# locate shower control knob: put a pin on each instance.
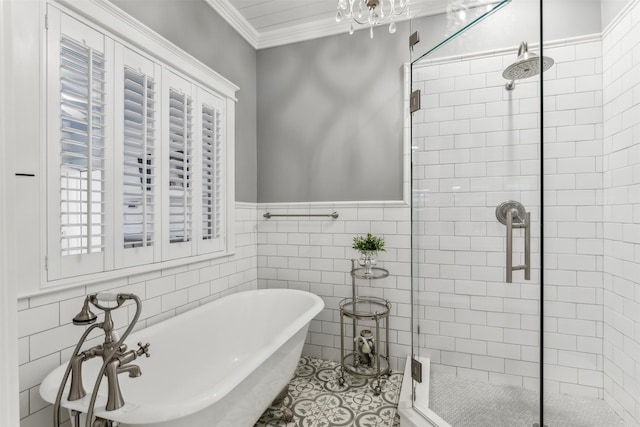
(144, 349)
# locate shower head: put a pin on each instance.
(527, 65)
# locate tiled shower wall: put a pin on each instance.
(313, 254)
(47, 336)
(621, 166)
(573, 214)
(477, 145)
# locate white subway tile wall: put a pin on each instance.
(621, 216)
(314, 254)
(573, 150)
(47, 336)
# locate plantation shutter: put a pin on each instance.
(212, 173)
(139, 159)
(179, 138)
(82, 79)
(180, 166)
(139, 154)
(136, 159)
(77, 151)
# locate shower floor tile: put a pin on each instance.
(467, 403)
(318, 400)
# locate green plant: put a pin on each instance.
(368, 244)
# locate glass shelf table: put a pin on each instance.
(356, 363)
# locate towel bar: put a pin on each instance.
(333, 215)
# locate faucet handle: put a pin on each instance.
(144, 349)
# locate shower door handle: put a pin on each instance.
(513, 215)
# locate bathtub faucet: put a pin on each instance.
(118, 365)
(115, 357)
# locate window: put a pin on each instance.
(212, 172)
(139, 160)
(78, 129)
(210, 175)
(178, 166)
(137, 156)
(136, 159)
(82, 124)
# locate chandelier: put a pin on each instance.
(371, 13)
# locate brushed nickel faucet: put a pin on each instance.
(118, 365)
(115, 358)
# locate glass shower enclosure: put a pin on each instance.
(476, 208)
(512, 301)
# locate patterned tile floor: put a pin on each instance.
(318, 400)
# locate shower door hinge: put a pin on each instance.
(416, 370)
(414, 101)
(46, 263)
(414, 39)
(46, 22)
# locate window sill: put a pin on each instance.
(111, 276)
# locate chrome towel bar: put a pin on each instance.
(333, 215)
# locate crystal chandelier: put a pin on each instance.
(371, 13)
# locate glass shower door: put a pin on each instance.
(476, 218)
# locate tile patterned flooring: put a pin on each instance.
(318, 400)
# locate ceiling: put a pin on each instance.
(269, 15)
(267, 23)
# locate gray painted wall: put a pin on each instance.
(321, 120)
(330, 110)
(199, 30)
(330, 118)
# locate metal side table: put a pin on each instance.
(365, 359)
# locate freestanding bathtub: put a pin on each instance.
(221, 364)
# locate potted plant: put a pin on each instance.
(368, 247)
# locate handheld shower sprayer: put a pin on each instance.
(85, 316)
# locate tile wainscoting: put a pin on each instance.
(302, 253)
(47, 336)
(313, 254)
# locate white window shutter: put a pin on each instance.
(178, 232)
(137, 178)
(77, 151)
(211, 144)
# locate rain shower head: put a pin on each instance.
(527, 65)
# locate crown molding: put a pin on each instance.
(329, 27)
(300, 32)
(236, 20)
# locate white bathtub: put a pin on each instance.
(221, 364)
